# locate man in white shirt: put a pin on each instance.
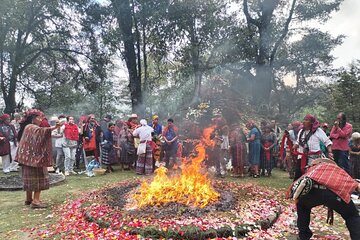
(144, 164)
(307, 146)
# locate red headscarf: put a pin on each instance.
(4, 117)
(31, 112)
(314, 122)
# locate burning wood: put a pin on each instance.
(191, 187)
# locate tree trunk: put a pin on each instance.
(9, 97)
(263, 81)
(195, 61)
(137, 40)
(146, 83)
(124, 16)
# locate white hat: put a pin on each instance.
(134, 115)
(355, 136)
(143, 122)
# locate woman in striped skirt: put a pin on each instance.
(34, 154)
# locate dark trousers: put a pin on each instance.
(169, 150)
(326, 197)
(342, 159)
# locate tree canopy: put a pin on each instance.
(168, 56)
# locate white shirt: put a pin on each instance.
(144, 133)
(314, 140)
(58, 134)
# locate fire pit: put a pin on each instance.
(14, 182)
(182, 205)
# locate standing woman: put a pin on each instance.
(254, 148)
(268, 142)
(355, 156)
(92, 138)
(71, 135)
(108, 148)
(124, 139)
(34, 154)
(237, 140)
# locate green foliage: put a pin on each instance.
(344, 96)
(66, 54)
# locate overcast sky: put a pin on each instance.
(346, 21)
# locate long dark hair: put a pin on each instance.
(23, 124)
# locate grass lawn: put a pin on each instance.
(14, 216)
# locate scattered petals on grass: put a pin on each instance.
(91, 217)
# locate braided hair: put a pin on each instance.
(23, 124)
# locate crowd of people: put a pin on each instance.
(144, 146)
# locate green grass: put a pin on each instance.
(14, 215)
(279, 180)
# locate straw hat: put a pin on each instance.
(355, 136)
(133, 115)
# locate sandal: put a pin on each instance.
(39, 205)
(27, 203)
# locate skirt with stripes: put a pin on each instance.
(144, 163)
(35, 178)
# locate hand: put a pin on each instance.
(2, 138)
(336, 124)
(331, 156)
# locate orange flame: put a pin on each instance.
(206, 136)
(191, 187)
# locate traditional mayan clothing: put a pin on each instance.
(92, 131)
(333, 188)
(237, 150)
(267, 162)
(35, 155)
(144, 163)
(254, 147)
(286, 148)
(355, 162)
(35, 178)
(108, 155)
(309, 145)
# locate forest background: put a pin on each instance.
(262, 59)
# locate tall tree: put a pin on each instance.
(271, 29)
(124, 14)
(201, 29)
(30, 30)
(344, 95)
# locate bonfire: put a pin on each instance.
(191, 187)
